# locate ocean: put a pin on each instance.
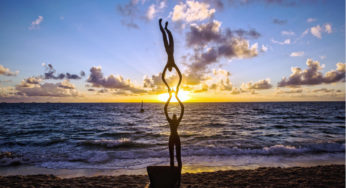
(71, 139)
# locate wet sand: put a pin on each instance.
(318, 176)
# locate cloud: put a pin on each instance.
(66, 85)
(287, 33)
(97, 80)
(328, 28)
(259, 85)
(32, 87)
(312, 75)
(236, 91)
(218, 4)
(36, 23)
(285, 42)
(210, 43)
(7, 72)
(238, 48)
(192, 11)
(31, 81)
(129, 11)
(200, 35)
(155, 83)
(325, 90)
(335, 75)
(309, 20)
(154, 9)
(316, 31)
(151, 12)
(297, 54)
(291, 91)
(305, 33)
(264, 48)
(50, 74)
(323, 57)
(279, 22)
(210, 32)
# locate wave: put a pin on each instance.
(34, 143)
(123, 143)
(9, 159)
(271, 150)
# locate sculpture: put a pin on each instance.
(163, 176)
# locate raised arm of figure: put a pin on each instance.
(165, 42)
(166, 105)
(171, 41)
(181, 108)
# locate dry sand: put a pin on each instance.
(319, 176)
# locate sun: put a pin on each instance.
(183, 96)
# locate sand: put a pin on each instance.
(318, 176)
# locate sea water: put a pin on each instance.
(116, 137)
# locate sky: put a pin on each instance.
(227, 50)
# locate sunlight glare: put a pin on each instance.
(183, 96)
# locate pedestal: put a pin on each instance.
(163, 176)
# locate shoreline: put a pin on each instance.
(316, 176)
(24, 170)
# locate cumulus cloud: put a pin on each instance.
(32, 87)
(50, 74)
(335, 75)
(191, 11)
(202, 34)
(210, 43)
(36, 23)
(96, 79)
(7, 72)
(155, 83)
(313, 76)
(66, 85)
(31, 81)
(328, 28)
(279, 22)
(259, 85)
(318, 30)
(297, 54)
(285, 42)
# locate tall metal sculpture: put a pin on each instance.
(169, 176)
(174, 139)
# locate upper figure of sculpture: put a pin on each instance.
(169, 46)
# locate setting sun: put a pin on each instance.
(183, 96)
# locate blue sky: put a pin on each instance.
(74, 36)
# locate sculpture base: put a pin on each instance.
(163, 176)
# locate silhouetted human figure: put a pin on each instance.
(174, 139)
(169, 49)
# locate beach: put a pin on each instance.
(317, 176)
